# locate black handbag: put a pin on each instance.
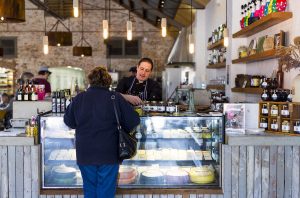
(127, 141)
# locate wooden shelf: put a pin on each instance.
(248, 90)
(263, 23)
(216, 66)
(218, 87)
(216, 45)
(257, 57)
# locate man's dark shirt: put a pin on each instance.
(153, 89)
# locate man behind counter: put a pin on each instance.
(139, 88)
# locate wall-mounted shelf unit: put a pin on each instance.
(264, 23)
(257, 57)
(216, 87)
(216, 45)
(248, 90)
(216, 66)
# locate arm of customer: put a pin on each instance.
(69, 117)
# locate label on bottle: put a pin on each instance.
(146, 108)
(285, 128)
(25, 96)
(62, 105)
(297, 129)
(160, 108)
(19, 97)
(264, 96)
(153, 108)
(285, 112)
(274, 112)
(58, 105)
(264, 111)
(274, 96)
(263, 125)
(264, 84)
(34, 97)
(171, 109)
(274, 126)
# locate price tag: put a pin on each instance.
(274, 112)
(285, 128)
(297, 129)
(285, 112)
(274, 126)
(265, 111)
(264, 125)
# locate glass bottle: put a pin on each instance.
(257, 9)
(266, 8)
(62, 101)
(264, 110)
(265, 96)
(33, 91)
(274, 125)
(285, 111)
(262, 9)
(263, 123)
(274, 110)
(280, 76)
(285, 126)
(57, 102)
(270, 7)
(290, 96)
(297, 127)
(54, 109)
(274, 95)
(274, 6)
(242, 18)
(26, 91)
(281, 5)
(20, 93)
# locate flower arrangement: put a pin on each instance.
(289, 57)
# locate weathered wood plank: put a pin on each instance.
(12, 171)
(273, 171)
(288, 153)
(257, 172)
(296, 172)
(4, 172)
(227, 171)
(35, 171)
(27, 172)
(235, 150)
(250, 171)
(265, 171)
(242, 172)
(19, 171)
(280, 171)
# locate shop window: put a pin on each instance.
(121, 48)
(9, 46)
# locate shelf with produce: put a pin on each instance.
(217, 45)
(270, 54)
(217, 87)
(248, 90)
(216, 66)
(263, 23)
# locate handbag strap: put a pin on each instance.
(113, 97)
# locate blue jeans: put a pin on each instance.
(99, 181)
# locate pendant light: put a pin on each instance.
(164, 27)
(45, 40)
(191, 37)
(75, 8)
(225, 32)
(105, 24)
(129, 28)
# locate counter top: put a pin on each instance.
(264, 139)
(15, 137)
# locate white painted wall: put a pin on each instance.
(213, 16)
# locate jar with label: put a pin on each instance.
(274, 110)
(153, 106)
(171, 107)
(255, 81)
(285, 111)
(274, 96)
(264, 83)
(285, 126)
(264, 110)
(290, 96)
(161, 107)
(265, 96)
(146, 106)
(297, 127)
(263, 123)
(274, 125)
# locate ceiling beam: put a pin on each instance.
(42, 6)
(194, 4)
(159, 14)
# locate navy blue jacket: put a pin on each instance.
(91, 113)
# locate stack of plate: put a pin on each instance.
(127, 175)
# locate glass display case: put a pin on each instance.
(181, 152)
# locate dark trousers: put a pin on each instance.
(99, 181)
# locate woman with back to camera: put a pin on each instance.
(91, 114)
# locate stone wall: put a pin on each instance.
(30, 35)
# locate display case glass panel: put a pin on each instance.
(173, 152)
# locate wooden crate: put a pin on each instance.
(294, 109)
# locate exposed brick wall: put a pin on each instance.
(30, 33)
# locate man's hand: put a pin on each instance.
(134, 100)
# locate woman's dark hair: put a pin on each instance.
(147, 60)
(27, 76)
(99, 77)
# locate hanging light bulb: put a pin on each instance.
(191, 44)
(164, 27)
(226, 37)
(105, 28)
(45, 45)
(75, 8)
(129, 30)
